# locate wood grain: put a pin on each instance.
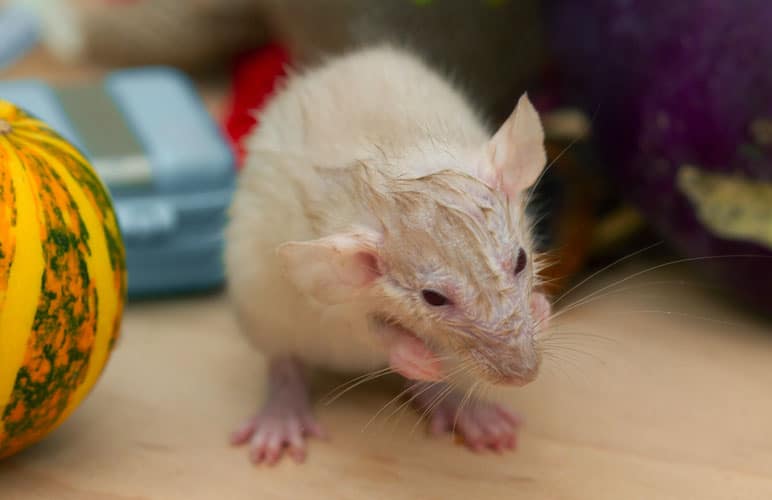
(665, 406)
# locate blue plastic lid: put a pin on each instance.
(183, 143)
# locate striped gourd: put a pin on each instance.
(62, 279)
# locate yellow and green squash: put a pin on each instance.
(62, 279)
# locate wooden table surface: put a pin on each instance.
(671, 400)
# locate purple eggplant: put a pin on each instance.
(681, 94)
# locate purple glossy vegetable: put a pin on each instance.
(683, 95)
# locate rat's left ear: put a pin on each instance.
(514, 157)
(335, 268)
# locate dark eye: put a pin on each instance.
(522, 260)
(434, 299)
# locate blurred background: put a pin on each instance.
(656, 209)
(658, 114)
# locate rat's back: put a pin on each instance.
(376, 101)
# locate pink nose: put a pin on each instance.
(518, 365)
(519, 378)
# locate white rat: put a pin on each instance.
(379, 223)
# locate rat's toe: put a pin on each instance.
(510, 416)
(439, 423)
(258, 445)
(501, 425)
(245, 431)
(257, 452)
(498, 436)
(311, 427)
(473, 434)
(273, 447)
(269, 438)
(295, 442)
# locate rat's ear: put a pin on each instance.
(514, 157)
(335, 268)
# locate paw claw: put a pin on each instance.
(298, 454)
(271, 435)
(256, 455)
(269, 440)
(244, 433)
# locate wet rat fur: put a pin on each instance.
(370, 181)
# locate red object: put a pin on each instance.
(255, 75)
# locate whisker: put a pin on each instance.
(605, 268)
(678, 313)
(557, 366)
(546, 168)
(396, 398)
(590, 298)
(536, 221)
(448, 380)
(408, 401)
(572, 348)
(557, 157)
(565, 362)
(464, 401)
(559, 346)
(551, 369)
(668, 264)
(578, 334)
(441, 396)
(367, 377)
(575, 350)
(352, 384)
(409, 389)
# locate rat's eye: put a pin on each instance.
(522, 260)
(434, 298)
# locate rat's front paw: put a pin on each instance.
(480, 424)
(285, 420)
(271, 432)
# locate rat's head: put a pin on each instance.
(450, 271)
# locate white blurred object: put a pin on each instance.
(58, 26)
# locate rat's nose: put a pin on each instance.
(518, 363)
(509, 364)
(519, 378)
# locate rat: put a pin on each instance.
(379, 222)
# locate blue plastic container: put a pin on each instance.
(169, 170)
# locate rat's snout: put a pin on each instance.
(508, 361)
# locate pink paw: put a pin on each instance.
(285, 420)
(270, 434)
(480, 425)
